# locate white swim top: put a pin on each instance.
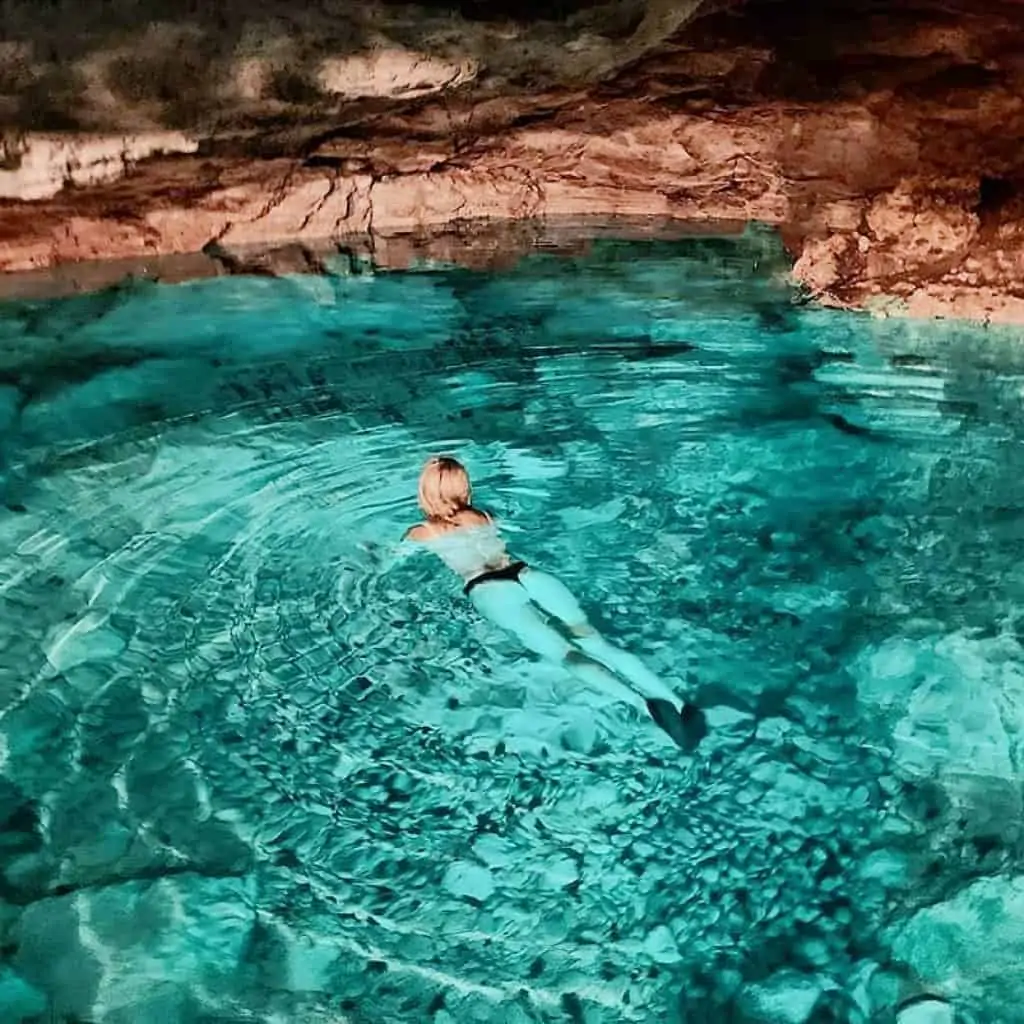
(470, 550)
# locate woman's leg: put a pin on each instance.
(684, 722)
(556, 599)
(508, 605)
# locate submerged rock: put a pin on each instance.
(927, 1011)
(956, 704)
(971, 945)
(660, 946)
(103, 950)
(88, 639)
(473, 881)
(19, 1001)
(785, 998)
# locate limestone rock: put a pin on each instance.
(889, 168)
(785, 998)
(38, 166)
(469, 880)
(927, 1011)
(391, 73)
(105, 949)
(956, 704)
(19, 1001)
(971, 945)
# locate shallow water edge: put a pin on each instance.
(497, 245)
(475, 245)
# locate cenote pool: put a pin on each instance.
(257, 764)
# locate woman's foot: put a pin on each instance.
(687, 727)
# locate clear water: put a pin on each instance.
(257, 767)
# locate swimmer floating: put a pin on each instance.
(528, 603)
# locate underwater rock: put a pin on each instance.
(103, 949)
(88, 639)
(166, 1003)
(10, 403)
(971, 945)
(468, 880)
(19, 1001)
(51, 956)
(955, 704)
(785, 998)
(306, 960)
(926, 1011)
(660, 946)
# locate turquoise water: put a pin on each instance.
(259, 766)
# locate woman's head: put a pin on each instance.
(444, 488)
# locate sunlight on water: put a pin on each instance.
(258, 765)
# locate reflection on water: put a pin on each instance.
(258, 767)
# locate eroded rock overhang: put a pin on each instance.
(882, 139)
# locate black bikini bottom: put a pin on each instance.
(509, 572)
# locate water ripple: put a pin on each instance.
(223, 685)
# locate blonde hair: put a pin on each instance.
(444, 488)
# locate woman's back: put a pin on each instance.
(468, 543)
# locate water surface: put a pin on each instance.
(257, 766)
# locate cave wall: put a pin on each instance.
(883, 138)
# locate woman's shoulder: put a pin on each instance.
(420, 532)
(464, 519)
(472, 517)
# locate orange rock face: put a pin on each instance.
(884, 141)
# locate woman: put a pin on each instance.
(526, 602)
